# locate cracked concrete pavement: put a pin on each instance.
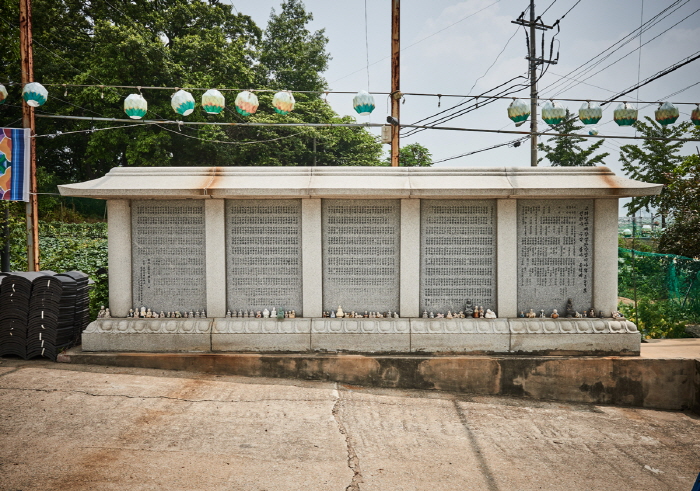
(75, 427)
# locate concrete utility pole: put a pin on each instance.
(395, 78)
(26, 54)
(534, 61)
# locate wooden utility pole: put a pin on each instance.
(26, 54)
(533, 25)
(395, 78)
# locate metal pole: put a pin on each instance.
(25, 41)
(533, 88)
(395, 77)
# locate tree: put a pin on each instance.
(413, 155)
(654, 162)
(682, 202)
(566, 151)
(174, 43)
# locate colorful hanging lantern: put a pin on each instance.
(625, 115)
(3, 93)
(667, 113)
(518, 111)
(593, 131)
(363, 103)
(135, 106)
(213, 101)
(283, 102)
(553, 113)
(590, 114)
(695, 115)
(182, 102)
(246, 103)
(34, 94)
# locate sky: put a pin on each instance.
(468, 47)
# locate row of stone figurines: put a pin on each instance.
(145, 313)
(576, 315)
(262, 314)
(333, 314)
(476, 313)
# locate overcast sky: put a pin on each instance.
(448, 46)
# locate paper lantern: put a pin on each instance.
(135, 106)
(3, 93)
(283, 102)
(363, 103)
(182, 102)
(553, 113)
(518, 111)
(246, 103)
(593, 131)
(34, 94)
(590, 114)
(213, 101)
(667, 113)
(695, 115)
(625, 115)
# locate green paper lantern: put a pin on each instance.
(34, 94)
(135, 106)
(182, 102)
(213, 101)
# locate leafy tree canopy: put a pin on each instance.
(413, 155)
(567, 151)
(174, 43)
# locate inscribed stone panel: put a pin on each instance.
(361, 251)
(263, 255)
(168, 254)
(555, 254)
(458, 254)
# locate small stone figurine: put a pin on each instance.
(522, 314)
(555, 314)
(154, 315)
(490, 314)
(101, 313)
(432, 316)
(273, 314)
(162, 314)
(468, 308)
(228, 314)
(542, 316)
(396, 315)
(531, 314)
(266, 313)
(107, 314)
(617, 315)
(178, 315)
(204, 314)
(449, 315)
(131, 313)
(591, 313)
(570, 312)
(333, 314)
(339, 312)
(440, 315)
(240, 313)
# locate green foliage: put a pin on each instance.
(567, 150)
(667, 289)
(67, 247)
(413, 155)
(682, 200)
(173, 43)
(654, 162)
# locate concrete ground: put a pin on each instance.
(75, 427)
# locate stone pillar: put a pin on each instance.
(119, 256)
(311, 257)
(409, 297)
(215, 226)
(605, 255)
(506, 257)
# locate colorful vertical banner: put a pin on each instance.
(14, 164)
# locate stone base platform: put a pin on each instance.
(410, 335)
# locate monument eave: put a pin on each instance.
(358, 182)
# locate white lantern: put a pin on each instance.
(518, 111)
(625, 115)
(135, 106)
(283, 102)
(667, 113)
(593, 131)
(3, 93)
(246, 103)
(590, 114)
(363, 103)
(553, 113)
(182, 102)
(34, 94)
(213, 101)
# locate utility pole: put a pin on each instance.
(533, 25)
(395, 78)
(26, 54)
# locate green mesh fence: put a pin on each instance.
(660, 292)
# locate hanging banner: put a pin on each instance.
(14, 164)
